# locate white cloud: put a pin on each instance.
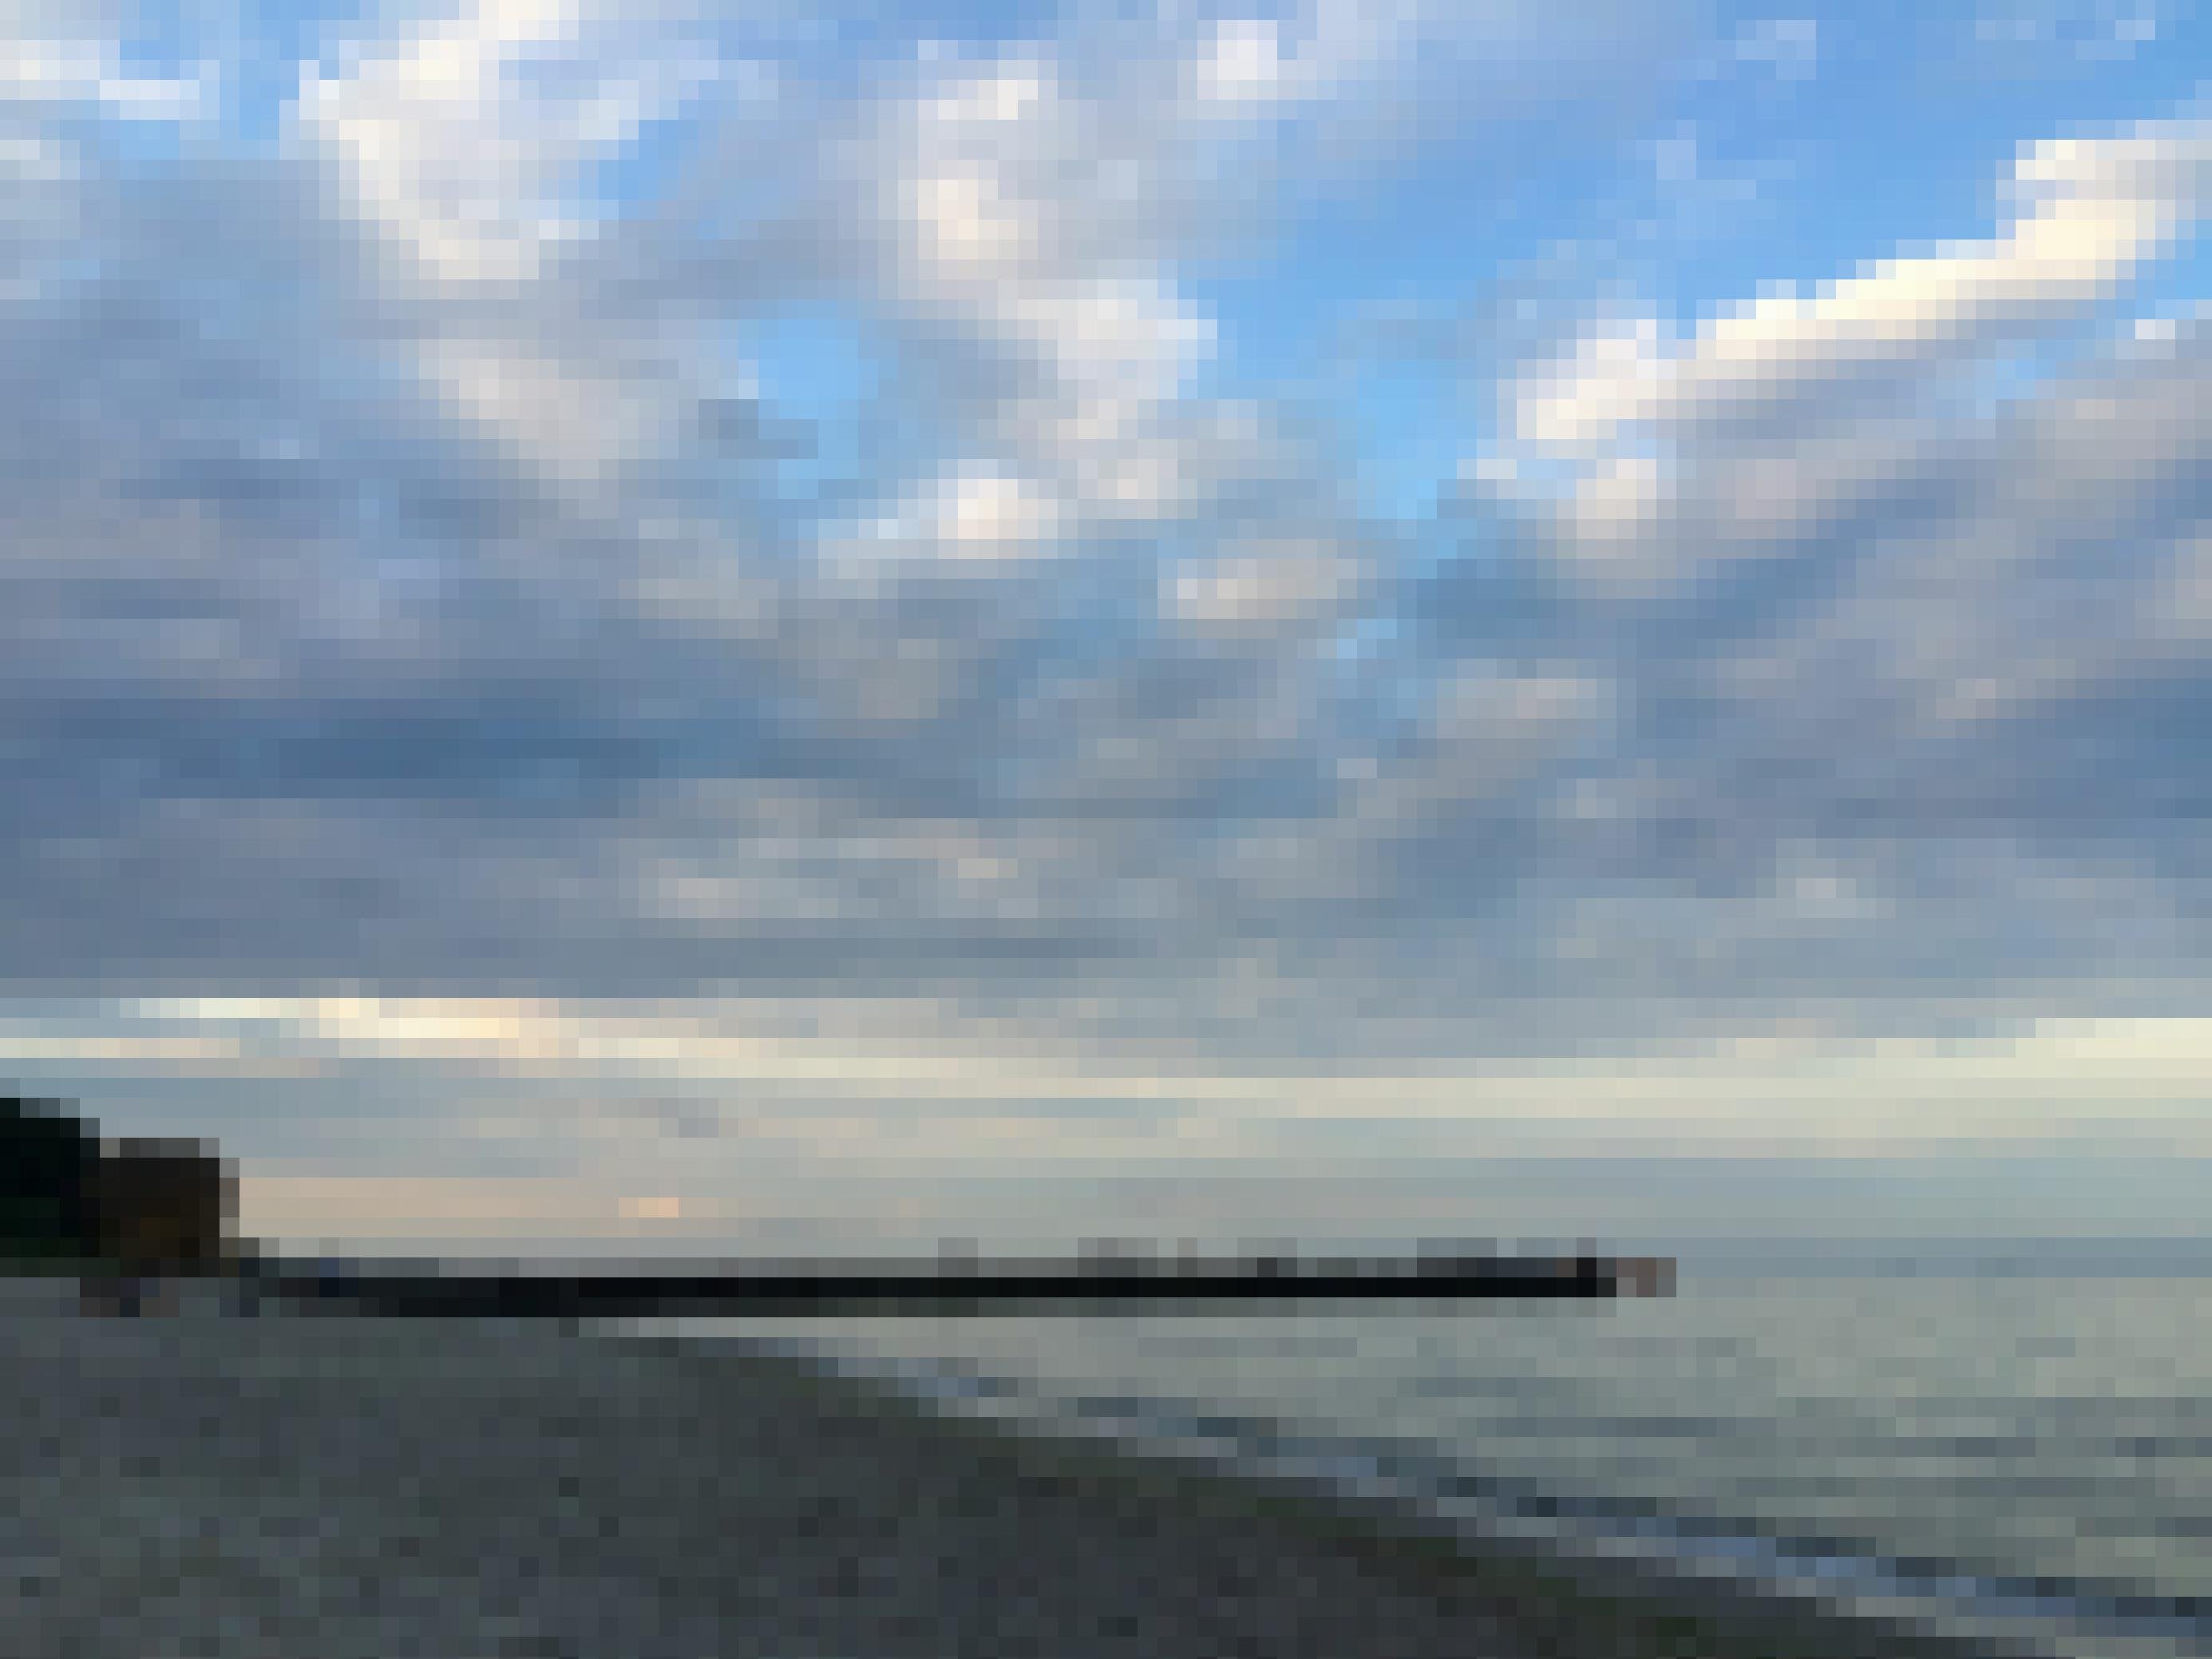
(1261, 586)
(2090, 213)
(461, 138)
(1242, 64)
(980, 513)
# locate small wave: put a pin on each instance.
(1847, 1576)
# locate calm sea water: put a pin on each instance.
(2027, 1452)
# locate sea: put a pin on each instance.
(2016, 1446)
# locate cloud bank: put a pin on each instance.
(443, 555)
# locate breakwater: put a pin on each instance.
(1101, 1286)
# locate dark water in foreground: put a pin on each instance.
(2029, 1453)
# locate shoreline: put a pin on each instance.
(1554, 1600)
(1938, 1606)
(201, 1483)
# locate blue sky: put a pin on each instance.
(1083, 554)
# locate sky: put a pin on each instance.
(639, 624)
